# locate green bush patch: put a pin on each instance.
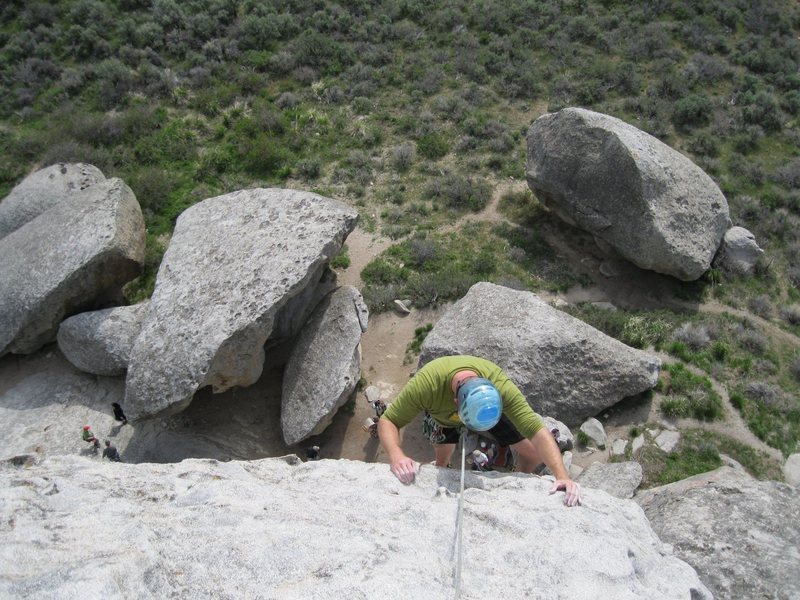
(689, 395)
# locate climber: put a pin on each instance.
(118, 414)
(456, 391)
(111, 453)
(479, 460)
(88, 436)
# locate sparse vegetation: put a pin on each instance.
(583, 438)
(689, 395)
(415, 113)
(420, 333)
(699, 451)
(341, 260)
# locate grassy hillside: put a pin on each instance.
(415, 112)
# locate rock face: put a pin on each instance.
(596, 432)
(739, 533)
(42, 190)
(324, 366)
(235, 265)
(565, 368)
(791, 470)
(65, 260)
(100, 342)
(619, 479)
(563, 437)
(316, 530)
(648, 202)
(739, 252)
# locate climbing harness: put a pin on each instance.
(459, 520)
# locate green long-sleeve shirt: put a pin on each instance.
(430, 390)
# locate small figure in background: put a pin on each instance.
(312, 453)
(489, 450)
(111, 452)
(118, 414)
(371, 423)
(371, 426)
(479, 460)
(379, 406)
(88, 436)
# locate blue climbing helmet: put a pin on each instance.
(479, 404)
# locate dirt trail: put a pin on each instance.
(614, 280)
(732, 425)
(490, 213)
(245, 423)
(775, 331)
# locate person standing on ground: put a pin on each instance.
(111, 453)
(118, 414)
(456, 391)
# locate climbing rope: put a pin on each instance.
(459, 520)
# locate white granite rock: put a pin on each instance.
(667, 440)
(564, 367)
(594, 429)
(791, 470)
(235, 266)
(328, 529)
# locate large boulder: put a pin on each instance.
(70, 258)
(281, 528)
(651, 204)
(565, 368)
(739, 252)
(42, 190)
(791, 470)
(739, 533)
(620, 479)
(100, 342)
(324, 366)
(235, 266)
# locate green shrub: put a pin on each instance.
(402, 157)
(693, 335)
(704, 144)
(460, 193)
(265, 156)
(175, 142)
(433, 146)
(692, 111)
(73, 152)
(751, 339)
(414, 347)
(430, 288)
(762, 109)
(341, 260)
(152, 187)
(381, 272)
(690, 395)
(641, 332)
(720, 350)
(308, 168)
(680, 350)
(423, 251)
(142, 287)
(583, 438)
(694, 455)
(380, 298)
(698, 452)
(794, 367)
(484, 263)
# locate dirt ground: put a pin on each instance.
(44, 401)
